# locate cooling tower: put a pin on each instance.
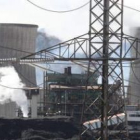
(22, 37)
(134, 84)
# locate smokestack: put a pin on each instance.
(65, 70)
(69, 70)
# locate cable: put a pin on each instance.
(135, 74)
(48, 10)
(15, 49)
(23, 76)
(132, 94)
(11, 87)
(17, 88)
(54, 11)
(129, 95)
(96, 64)
(42, 83)
(128, 81)
(130, 7)
(87, 63)
(75, 8)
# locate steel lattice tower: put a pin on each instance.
(105, 40)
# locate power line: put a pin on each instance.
(11, 87)
(65, 11)
(24, 76)
(133, 94)
(42, 83)
(127, 80)
(130, 8)
(129, 95)
(135, 74)
(55, 11)
(15, 49)
(87, 64)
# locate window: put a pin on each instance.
(134, 115)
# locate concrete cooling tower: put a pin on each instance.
(20, 37)
(134, 84)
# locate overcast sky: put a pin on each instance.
(63, 26)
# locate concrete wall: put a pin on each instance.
(20, 37)
(35, 102)
(34, 106)
(8, 110)
(134, 84)
(134, 89)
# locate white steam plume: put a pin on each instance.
(10, 78)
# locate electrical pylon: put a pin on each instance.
(102, 51)
(105, 40)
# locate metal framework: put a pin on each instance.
(26, 61)
(103, 50)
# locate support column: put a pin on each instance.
(104, 107)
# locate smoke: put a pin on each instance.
(11, 89)
(44, 41)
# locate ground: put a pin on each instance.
(38, 129)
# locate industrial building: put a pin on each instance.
(64, 94)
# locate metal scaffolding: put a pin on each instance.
(103, 50)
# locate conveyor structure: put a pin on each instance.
(112, 120)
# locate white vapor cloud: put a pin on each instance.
(10, 78)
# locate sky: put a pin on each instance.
(64, 26)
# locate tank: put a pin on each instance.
(16, 41)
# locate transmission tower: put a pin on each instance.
(103, 51)
(105, 41)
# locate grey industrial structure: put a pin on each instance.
(16, 41)
(134, 84)
(64, 94)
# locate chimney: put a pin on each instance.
(65, 70)
(69, 70)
